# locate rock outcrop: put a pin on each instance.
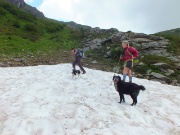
(146, 44)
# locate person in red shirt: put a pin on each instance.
(129, 54)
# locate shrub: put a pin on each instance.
(25, 16)
(16, 24)
(17, 12)
(31, 27)
(152, 59)
(56, 37)
(115, 53)
(54, 28)
(141, 69)
(12, 9)
(51, 29)
(2, 11)
(31, 37)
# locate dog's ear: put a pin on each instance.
(119, 77)
(113, 77)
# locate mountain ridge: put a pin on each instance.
(21, 4)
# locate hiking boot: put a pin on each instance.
(84, 72)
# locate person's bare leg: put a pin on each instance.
(125, 72)
(130, 75)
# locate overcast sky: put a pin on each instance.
(143, 16)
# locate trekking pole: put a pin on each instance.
(117, 66)
(119, 61)
(115, 71)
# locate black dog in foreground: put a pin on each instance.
(128, 88)
(76, 72)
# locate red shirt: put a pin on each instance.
(133, 53)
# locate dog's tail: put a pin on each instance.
(142, 87)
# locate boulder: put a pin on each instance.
(141, 40)
(140, 35)
(141, 64)
(108, 54)
(116, 69)
(117, 37)
(19, 59)
(158, 76)
(175, 58)
(159, 64)
(158, 52)
(178, 78)
(149, 71)
(2, 65)
(86, 49)
(94, 62)
(169, 72)
(156, 38)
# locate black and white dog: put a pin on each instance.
(128, 88)
(76, 73)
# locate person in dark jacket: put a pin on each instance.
(77, 60)
(129, 54)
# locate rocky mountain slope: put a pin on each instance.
(157, 62)
(74, 25)
(47, 42)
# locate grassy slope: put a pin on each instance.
(21, 34)
(174, 37)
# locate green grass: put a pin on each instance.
(174, 37)
(149, 60)
(21, 33)
(152, 59)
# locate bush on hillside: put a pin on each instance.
(115, 53)
(25, 16)
(16, 24)
(54, 28)
(31, 27)
(2, 11)
(17, 12)
(152, 59)
(12, 9)
(31, 37)
(56, 37)
(34, 28)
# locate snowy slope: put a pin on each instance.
(45, 100)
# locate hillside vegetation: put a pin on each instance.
(174, 37)
(23, 35)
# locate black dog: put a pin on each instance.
(76, 72)
(128, 88)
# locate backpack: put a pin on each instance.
(135, 60)
(80, 53)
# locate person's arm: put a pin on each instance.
(124, 58)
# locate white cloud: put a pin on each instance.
(139, 16)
